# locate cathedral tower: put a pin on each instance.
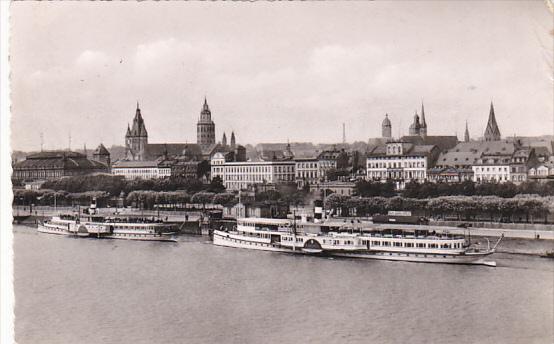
(415, 127)
(205, 128)
(492, 133)
(233, 140)
(423, 128)
(136, 138)
(224, 140)
(386, 128)
(466, 134)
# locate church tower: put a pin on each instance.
(224, 140)
(205, 128)
(492, 133)
(386, 128)
(233, 141)
(415, 127)
(102, 155)
(466, 134)
(136, 138)
(423, 128)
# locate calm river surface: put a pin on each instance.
(114, 291)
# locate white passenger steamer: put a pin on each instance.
(109, 228)
(93, 225)
(330, 239)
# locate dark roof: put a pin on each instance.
(454, 158)
(443, 142)
(57, 160)
(407, 149)
(153, 151)
(55, 155)
(101, 150)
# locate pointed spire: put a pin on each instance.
(233, 140)
(492, 133)
(423, 123)
(466, 134)
(138, 108)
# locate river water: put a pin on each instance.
(114, 291)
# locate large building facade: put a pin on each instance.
(241, 175)
(400, 162)
(55, 164)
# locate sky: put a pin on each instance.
(276, 71)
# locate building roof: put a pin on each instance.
(443, 142)
(154, 150)
(101, 150)
(454, 158)
(135, 164)
(58, 160)
(408, 149)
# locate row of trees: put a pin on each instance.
(115, 185)
(522, 207)
(148, 199)
(60, 198)
(466, 188)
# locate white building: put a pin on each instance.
(239, 175)
(400, 162)
(141, 169)
(492, 169)
(308, 172)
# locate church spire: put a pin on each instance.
(233, 140)
(423, 123)
(492, 133)
(224, 140)
(466, 134)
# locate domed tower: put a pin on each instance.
(136, 137)
(415, 127)
(205, 128)
(386, 127)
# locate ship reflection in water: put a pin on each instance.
(123, 291)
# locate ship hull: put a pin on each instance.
(62, 230)
(418, 258)
(229, 240)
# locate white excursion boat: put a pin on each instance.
(283, 235)
(109, 227)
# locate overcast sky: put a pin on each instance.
(276, 71)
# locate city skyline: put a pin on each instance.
(298, 82)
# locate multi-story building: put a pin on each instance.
(307, 172)
(142, 169)
(400, 162)
(519, 166)
(240, 175)
(55, 164)
(332, 159)
(492, 168)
